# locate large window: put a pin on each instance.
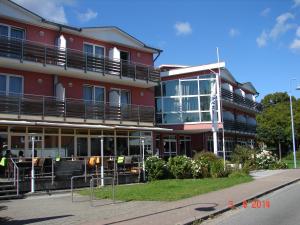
(184, 100)
(93, 93)
(13, 32)
(94, 50)
(11, 85)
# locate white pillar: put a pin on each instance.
(102, 161)
(143, 157)
(215, 141)
(32, 165)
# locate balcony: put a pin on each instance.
(46, 108)
(33, 56)
(232, 99)
(235, 126)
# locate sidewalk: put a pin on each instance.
(59, 209)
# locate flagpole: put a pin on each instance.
(220, 110)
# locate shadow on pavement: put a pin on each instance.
(10, 221)
(207, 209)
(168, 210)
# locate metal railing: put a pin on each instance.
(75, 108)
(230, 125)
(25, 50)
(92, 186)
(16, 176)
(240, 100)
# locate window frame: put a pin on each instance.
(94, 49)
(93, 92)
(7, 76)
(16, 27)
(120, 91)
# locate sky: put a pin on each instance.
(258, 39)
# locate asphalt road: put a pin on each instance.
(281, 207)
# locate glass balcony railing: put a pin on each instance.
(76, 108)
(68, 58)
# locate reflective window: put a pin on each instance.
(190, 117)
(158, 106)
(205, 116)
(189, 87)
(3, 30)
(17, 33)
(205, 86)
(170, 88)
(15, 85)
(171, 104)
(190, 104)
(172, 118)
(2, 84)
(204, 103)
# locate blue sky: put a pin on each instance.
(258, 39)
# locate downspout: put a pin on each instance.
(156, 56)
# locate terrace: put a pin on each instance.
(38, 57)
(33, 107)
(232, 99)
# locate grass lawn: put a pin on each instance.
(290, 163)
(167, 190)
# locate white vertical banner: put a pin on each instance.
(213, 107)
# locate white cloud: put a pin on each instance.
(87, 16)
(296, 3)
(262, 39)
(183, 28)
(233, 32)
(295, 45)
(281, 25)
(265, 12)
(52, 10)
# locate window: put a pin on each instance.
(11, 85)
(205, 86)
(124, 56)
(171, 104)
(170, 88)
(205, 103)
(172, 118)
(158, 106)
(190, 117)
(189, 87)
(190, 104)
(118, 97)
(13, 32)
(93, 93)
(94, 50)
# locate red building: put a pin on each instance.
(183, 101)
(73, 86)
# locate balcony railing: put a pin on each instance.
(68, 58)
(239, 127)
(240, 100)
(74, 108)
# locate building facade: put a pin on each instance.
(183, 103)
(69, 87)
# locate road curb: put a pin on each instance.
(226, 209)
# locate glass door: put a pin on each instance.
(82, 146)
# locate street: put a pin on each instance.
(283, 209)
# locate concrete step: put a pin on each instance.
(6, 192)
(8, 197)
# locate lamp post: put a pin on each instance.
(292, 122)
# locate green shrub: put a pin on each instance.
(155, 168)
(180, 167)
(205, 156)
(238, 173)
(243, 155)
(200, 169)
(279, 165)
(217, 169)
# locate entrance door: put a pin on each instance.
(82, 146)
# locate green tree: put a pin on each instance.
(274, 122)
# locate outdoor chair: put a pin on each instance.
(128, 163)
(120, 163)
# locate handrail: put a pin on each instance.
(72, 183)
(233, 125)
(16, 176)
(101, 178)
(51, 106)
(65, 57)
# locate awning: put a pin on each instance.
(18, 122)
(144, 128)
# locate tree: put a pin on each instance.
(274, 122)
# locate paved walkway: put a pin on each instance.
(58, 209)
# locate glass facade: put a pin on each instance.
(184, 100)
